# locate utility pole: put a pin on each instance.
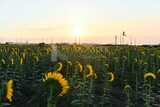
(42, 40)
(123, 37)
(120, 39)
(135, 41)
(75, 40)
(79, 39)
(16, 41)
(116, 40)
(130, 39)
(52, 39)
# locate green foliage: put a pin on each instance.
(128, 63)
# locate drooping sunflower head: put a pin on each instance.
(90, 71)
(59, 66)
(77, 85)
(69, 63)
(127, 88)
(135, 60)
(21, 61)
(106, 65)
(9, 90)
(142, 53)
(149, 74)
(36, 58)
(79, 66)
(145, 63)
(124, 58)
(54, 81)
(111, 76)
(116, 60)
(3, 61)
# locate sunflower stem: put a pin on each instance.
(49, 103)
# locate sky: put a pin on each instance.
(93, 21)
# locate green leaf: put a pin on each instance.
(4, 104)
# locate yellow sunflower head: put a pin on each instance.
(142, 53)
(77, 85)
(90, 71)
(60, 65)
(79, 66)
(116, 60)
(9, 90)
(69, 63)
(3, 61)
(36, 58)
(111, 75)
(21, 61)
(127, 88)
(124, 58)
(135, 60)
(56, 83)
(145, 63)
(107, 66)
(149, 74)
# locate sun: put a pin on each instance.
(77, 31)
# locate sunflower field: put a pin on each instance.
(92, 76)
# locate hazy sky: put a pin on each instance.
(99, 20)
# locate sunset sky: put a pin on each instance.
(98, 21)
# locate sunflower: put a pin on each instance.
(9, 90)
(58, 83)
(107, 66)
(135, 60)
(143, 53)
(78, 85)
(116, 59)
(70, 63)
(145, 63)
(36, 58)
(60, 66)
(124, 58)
(149, 74)
(21, 61)
(111, 75)
(3, 61)
(90, 71)
(80, 66)
(127, 88)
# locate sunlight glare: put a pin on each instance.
(77, 31)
